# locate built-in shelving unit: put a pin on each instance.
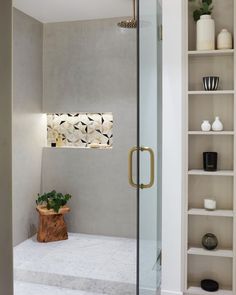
(219, 264)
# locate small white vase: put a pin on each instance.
(224, 40)
(217, 125)
(206, 126)
(205, 33)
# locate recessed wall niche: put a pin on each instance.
(81, 130)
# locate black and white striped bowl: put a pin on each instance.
(211, 83)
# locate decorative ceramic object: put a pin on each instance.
(206, 126)
(209, 285)
(205, 33)
(209, 242)
(217, 125)
(224, 40)
(210, 161)
(211, 83)
(210, 204)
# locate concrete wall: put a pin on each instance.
(6, 273)
(90, 66)
(29, 125)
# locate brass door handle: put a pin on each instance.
(152, 167)
(131, 152)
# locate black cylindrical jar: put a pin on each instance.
(210, 161)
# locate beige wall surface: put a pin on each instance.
(6, 284)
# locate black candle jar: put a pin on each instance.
(210, 161)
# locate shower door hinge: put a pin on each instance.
(160, 32)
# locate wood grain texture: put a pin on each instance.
(52, 226)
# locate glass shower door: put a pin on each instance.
(149, 146)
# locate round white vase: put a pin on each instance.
(217, 125)
(206, 126)
(205, 33)
(224, 40)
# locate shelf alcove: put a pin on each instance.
(220, 264)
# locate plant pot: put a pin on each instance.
(52, 226)
(205, 33)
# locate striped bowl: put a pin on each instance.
(211, 83)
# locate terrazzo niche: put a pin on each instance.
(80, 130)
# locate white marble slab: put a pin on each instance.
(84, 262)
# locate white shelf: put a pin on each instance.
(216, 253)
(204, 92)
(196, 53)
(200, 291)
(216, 213)
(211, 133)
(216, 173)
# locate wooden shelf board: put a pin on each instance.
(216, 213)
(216, 173)
(196, 53)
(199, 291)
(203, 92)
(216, 253)
(211, 133)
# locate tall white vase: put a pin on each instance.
(205, 33)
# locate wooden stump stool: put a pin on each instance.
(52, 226)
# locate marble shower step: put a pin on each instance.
(22, 288)
(94, 264)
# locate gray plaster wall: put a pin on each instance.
(6, 267)
(29, 124)
(90, 66)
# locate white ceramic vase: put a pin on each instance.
(206, 126)
(224, 40)
(217, 125)
(205, 33)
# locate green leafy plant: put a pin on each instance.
(205, 7)
(53, 200)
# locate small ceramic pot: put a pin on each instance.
(209, 242)
(210, 204)
(206, 126)
(224, 40)
(211, 83)
(209, 285)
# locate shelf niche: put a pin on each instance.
(219, 265)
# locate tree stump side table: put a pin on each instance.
(52, 226)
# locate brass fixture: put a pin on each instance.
(152, 167)
(130, 23)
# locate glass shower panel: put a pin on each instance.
(150, 109)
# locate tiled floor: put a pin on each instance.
(22, 288)
(94, 264)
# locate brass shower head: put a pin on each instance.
(130, 23)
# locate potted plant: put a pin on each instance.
(52, 208)
(205, 24)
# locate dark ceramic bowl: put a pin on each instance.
(211, 83)
(209, 285)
